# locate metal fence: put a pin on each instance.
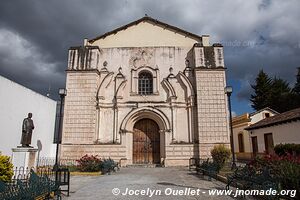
(21, 173)
(29, 183)
(50, 162)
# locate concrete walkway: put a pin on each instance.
(156, 183)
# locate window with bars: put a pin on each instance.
(145, 83)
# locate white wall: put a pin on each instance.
(236, 132)
(259, 116)
(145, 34)
(283, 133)
(16, 102)
(239, 128)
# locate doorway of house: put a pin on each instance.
(254, 146)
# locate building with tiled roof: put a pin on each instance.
(241, 137)
(281, 128)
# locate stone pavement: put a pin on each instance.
(160, 180)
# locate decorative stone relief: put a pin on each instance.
(199, 57)
(83, 58)
(104, 84)
(120, 82)
(142, 57)
(219, 56)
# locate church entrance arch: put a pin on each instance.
(145, 130)
(146, 142)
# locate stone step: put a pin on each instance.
(143, 165)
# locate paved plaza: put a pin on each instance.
(161, 181)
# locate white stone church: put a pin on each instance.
(145, 93)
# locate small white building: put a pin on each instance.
(241, 137)
(282, 128)
(15, 103)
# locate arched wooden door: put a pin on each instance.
(146, 142)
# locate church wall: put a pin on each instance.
(84, 124)
(161, 58)
(79, 125)
(212, 110)
(145, 35)
(179, 154)
(181, 124)
(76, 151)
(188, 91)
(105, 132)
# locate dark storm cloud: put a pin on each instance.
(47, 29)
(35, 35)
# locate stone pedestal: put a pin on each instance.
(24, 157)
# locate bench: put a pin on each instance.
(247, 178)
(211, 169)
(36, 187)
(63, 179)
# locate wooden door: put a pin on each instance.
(146, 142)
(269, 144)
(254, 146)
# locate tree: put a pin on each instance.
(280, 95)
(296, 91)
(296, 88)
(275, 93)
(262, 87)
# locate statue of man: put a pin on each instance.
(27, 128)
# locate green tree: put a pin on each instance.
(280, 95)
(262, 87)
(6, 168)
(275, 93)
(296, 88)
(295, 96)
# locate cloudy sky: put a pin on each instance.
(259, 34)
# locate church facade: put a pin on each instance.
(145, 93)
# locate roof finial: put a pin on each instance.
(171, 75)
(120, 73)
(146, 15)
(120, 70)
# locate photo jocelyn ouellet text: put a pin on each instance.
(197, 192)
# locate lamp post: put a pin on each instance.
(62, 93)
(228, 91)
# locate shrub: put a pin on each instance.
(6, 168)
(72, 168)
(89, 163)
(285, 169)
(220, 154)
(107, 166)
(284, 149)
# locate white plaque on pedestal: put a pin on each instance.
(24, 157)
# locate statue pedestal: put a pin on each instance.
(24, 157)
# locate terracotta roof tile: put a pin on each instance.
(285, 117)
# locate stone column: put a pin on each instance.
(212, 109)
(24, 157)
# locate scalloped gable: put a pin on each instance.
(146, 32)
